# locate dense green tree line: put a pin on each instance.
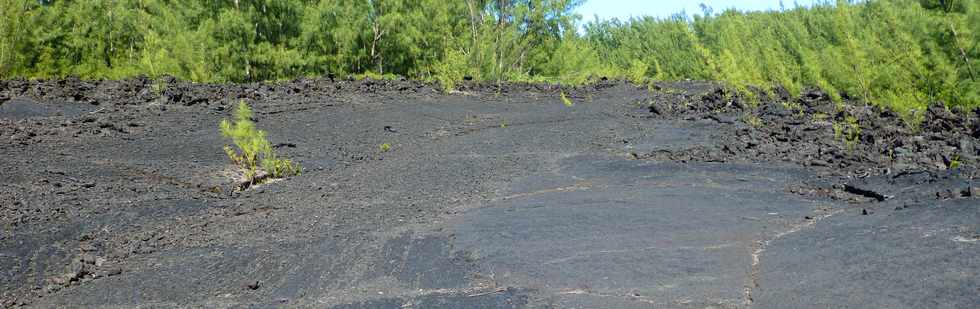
(247, 40)
(898, 53)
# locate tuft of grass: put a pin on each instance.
(384, 147)
(797, 108)
(752, 120)
(955, 163)
(252, 151)
(158, 86)
(565, 100)
(818, 116)
(848, 131)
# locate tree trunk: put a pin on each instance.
(375, 52)
(966, 58)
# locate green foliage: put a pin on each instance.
(955, 163)
(576, 65)
(375, 76)
(848, 131)
(254, 153)
(254, 40)
(752, 120)
(900, 54)
(452, 69)
(565, 100)
(158, 86)
(14, 34)
(637, 72)
(384, 147)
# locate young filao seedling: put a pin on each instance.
(252, 151)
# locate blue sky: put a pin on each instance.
(623, 9)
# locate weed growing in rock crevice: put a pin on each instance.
(848, 131)
(565, 100)
(252, 151)
(752, 120)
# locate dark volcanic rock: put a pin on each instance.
(252, 285)
(561, 207)
(858, 140)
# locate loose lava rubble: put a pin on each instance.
(790, 130)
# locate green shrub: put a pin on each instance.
(252, 151)
(451, 70)
(637, 72)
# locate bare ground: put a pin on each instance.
(117, 194)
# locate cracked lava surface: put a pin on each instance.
(495, 197)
